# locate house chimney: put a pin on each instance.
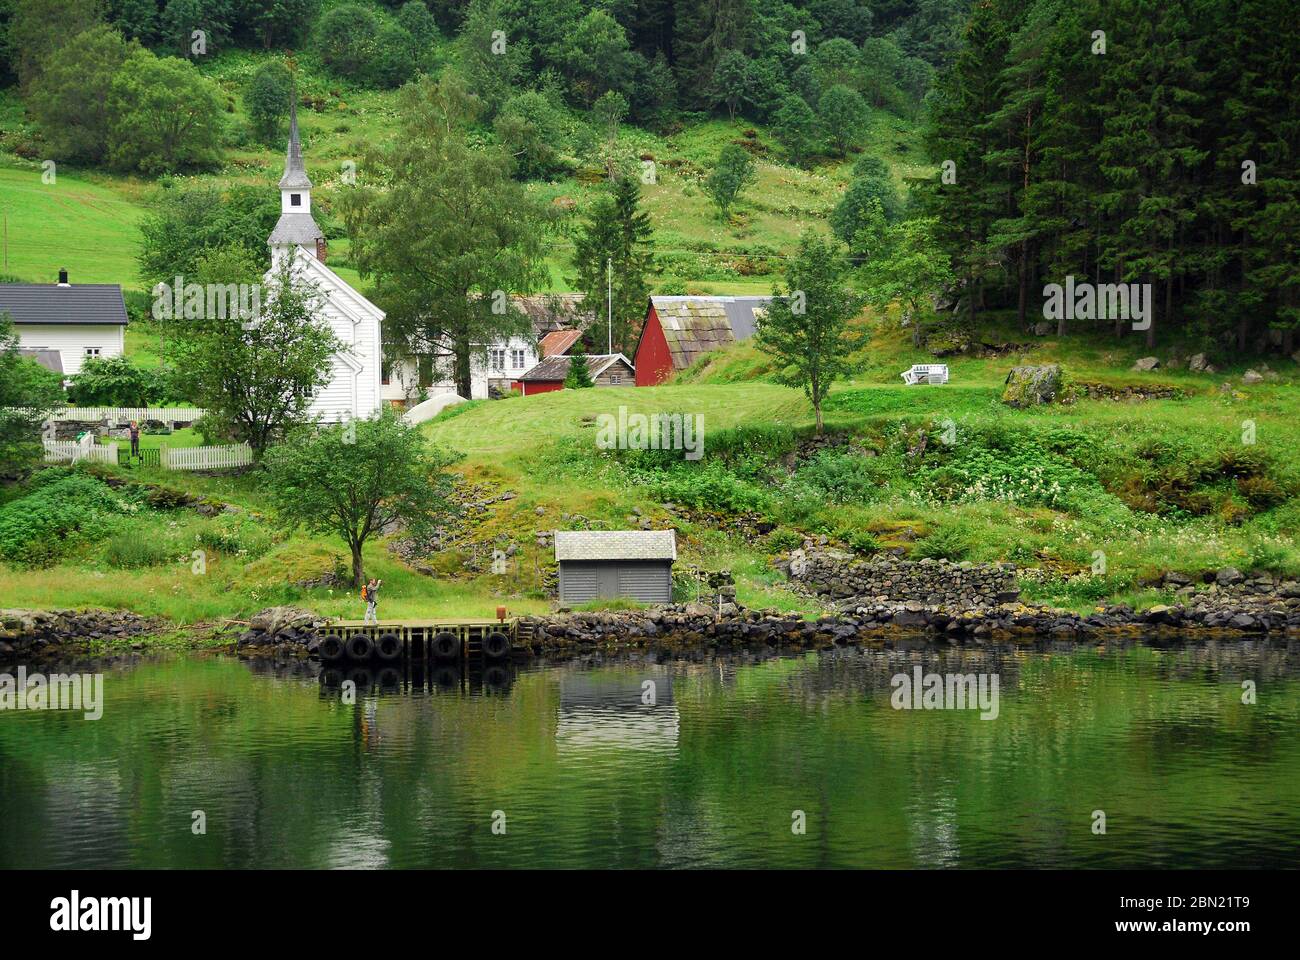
(321, 249)
(63, 278)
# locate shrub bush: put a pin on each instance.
(233, 535)
(130, 548)
(63, 508)
(945, 543)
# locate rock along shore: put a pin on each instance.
(30, 631)
(875, 599)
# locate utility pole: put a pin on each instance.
(609, 298)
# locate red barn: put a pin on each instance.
(678, 330)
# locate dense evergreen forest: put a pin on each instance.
(1152, 141)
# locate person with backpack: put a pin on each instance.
(370, 594)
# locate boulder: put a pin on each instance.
(1198, 363)
(1252, 376)
(1147, 364)
(1228, 576)
(1032, 385)
(1042, 328)
(275, 620)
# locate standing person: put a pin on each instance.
(135, 439)
(370, 593)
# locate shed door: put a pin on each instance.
(649, 582)
(607, 575)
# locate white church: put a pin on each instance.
(361, 381)
(354, 389)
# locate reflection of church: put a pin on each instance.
(625, 709)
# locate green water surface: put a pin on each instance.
(574, 768)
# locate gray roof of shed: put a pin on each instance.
(75, 303)
(615, 545)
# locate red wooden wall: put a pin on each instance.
(653, 362)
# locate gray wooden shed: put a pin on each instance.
(603, 564)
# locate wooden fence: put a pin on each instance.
(206, 458)
(127, 414)
(72, 451)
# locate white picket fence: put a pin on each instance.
(72, 451)
(127, 414)
(206, 458)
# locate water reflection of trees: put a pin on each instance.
(411, 772)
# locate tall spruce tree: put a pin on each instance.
(613, 253)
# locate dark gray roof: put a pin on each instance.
(49, 359)
(740, 311)
(297, 228)
(615, 545)
(557, 368)
(51, 303)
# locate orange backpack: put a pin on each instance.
(363, 592)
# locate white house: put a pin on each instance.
(72, 321)
(555, 322)
(354, 388)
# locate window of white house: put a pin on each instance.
(295, 199)
(497, 358)
(92, 351)
(516, 359)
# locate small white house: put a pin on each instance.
(75, 321)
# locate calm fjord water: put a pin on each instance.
(584, 773)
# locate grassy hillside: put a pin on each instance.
(88, 220)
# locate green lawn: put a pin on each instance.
(74, 223)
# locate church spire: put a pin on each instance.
(296, 228)
(295, 174)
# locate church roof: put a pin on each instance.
(297, 228)
(295, 174)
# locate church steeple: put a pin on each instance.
(296, 227)
(295, 175)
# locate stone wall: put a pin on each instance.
(938, 583)
(28, 631)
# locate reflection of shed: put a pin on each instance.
(627, 709)
(616, 563)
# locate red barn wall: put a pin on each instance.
(653, 362)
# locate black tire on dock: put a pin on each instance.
(360, 647)
(445, 646)
(388, 646)
(496, 646)
(388, 678)
(330, 648)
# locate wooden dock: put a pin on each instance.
(418, 641)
